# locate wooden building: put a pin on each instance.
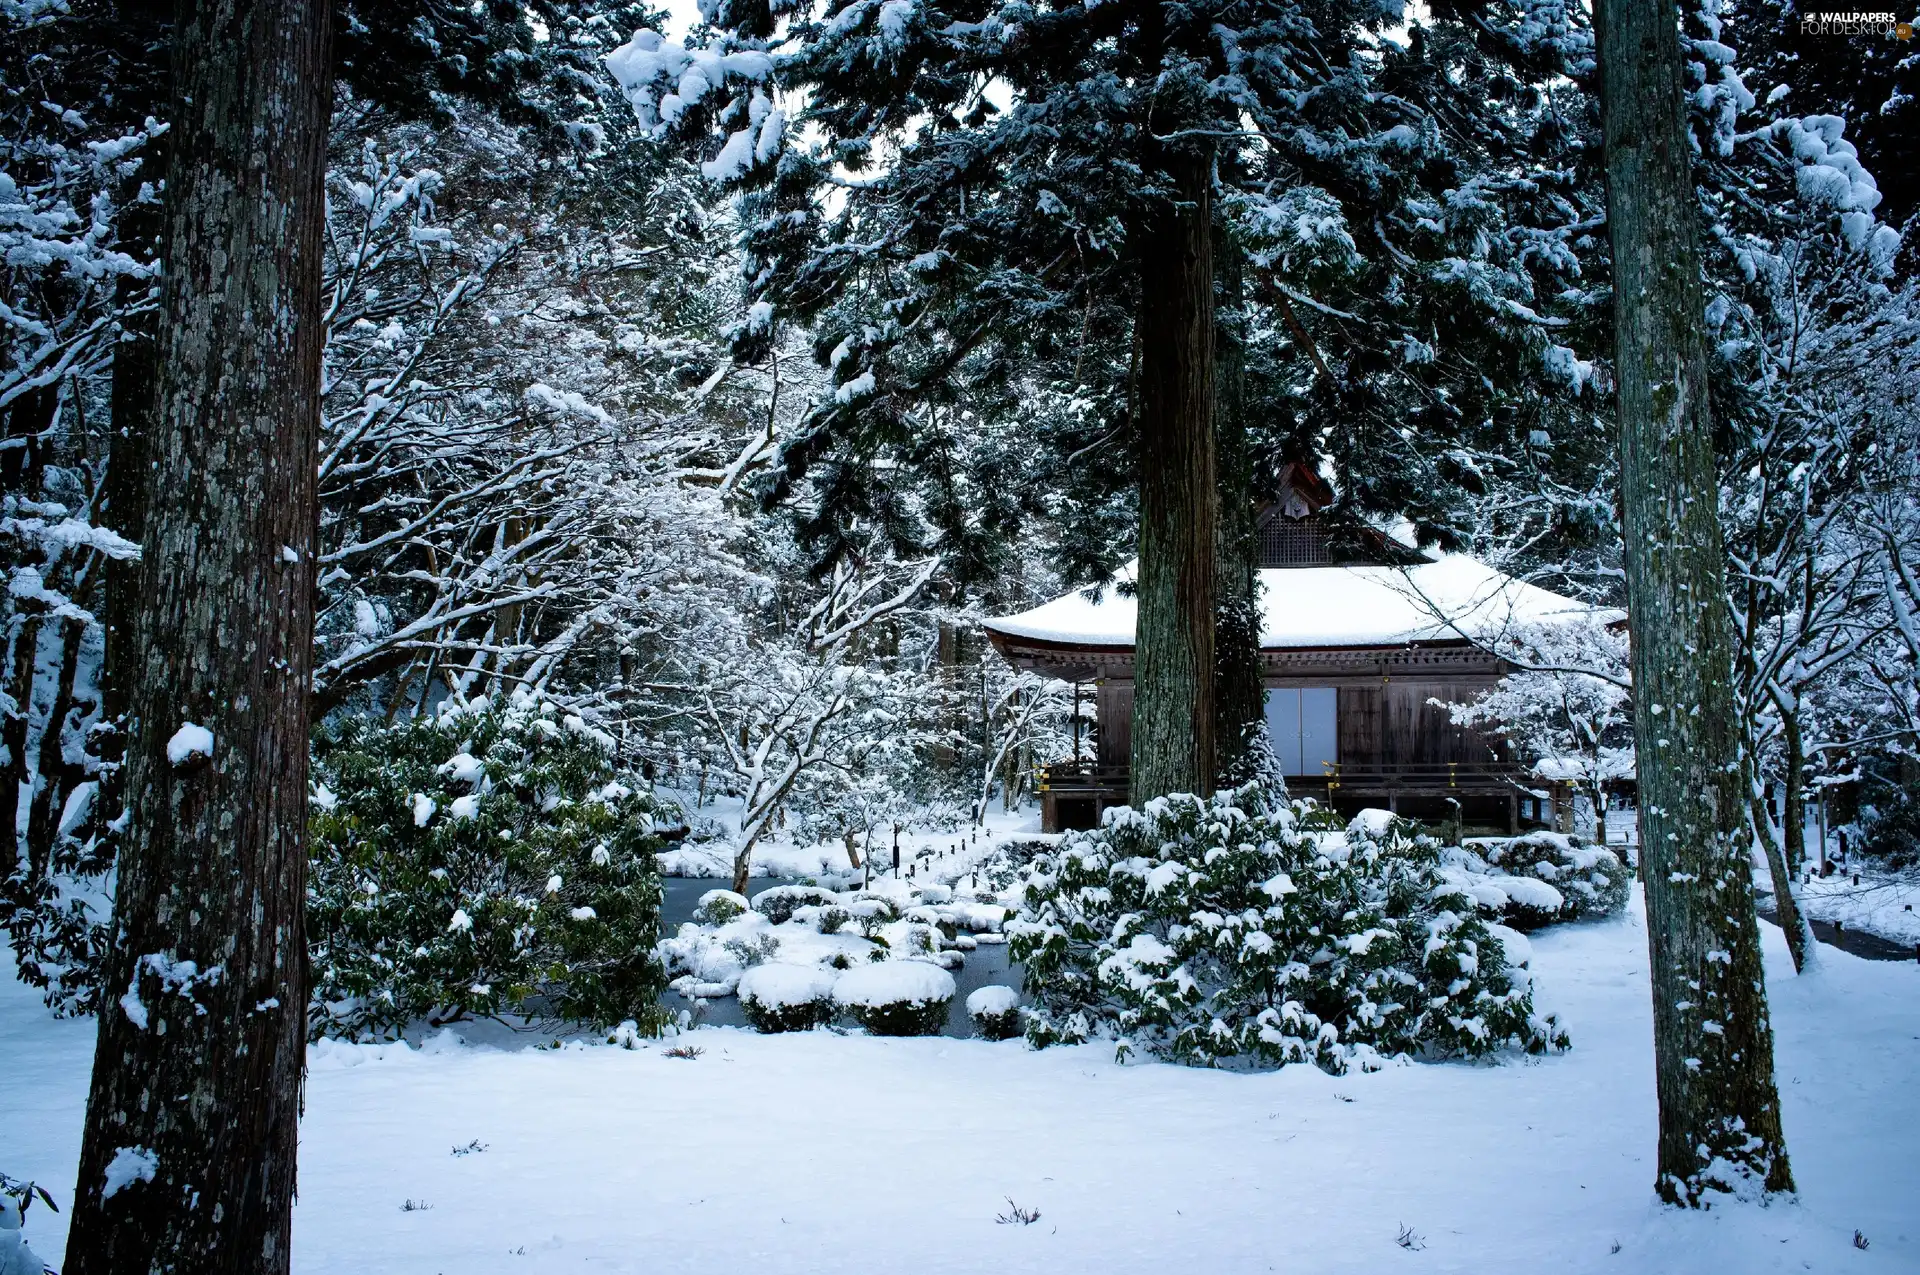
(1354, 650)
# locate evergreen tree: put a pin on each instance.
(1863, 74)
(977, 205)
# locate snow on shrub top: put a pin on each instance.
(1516, 946)
(782, 901)
(994, 998)
(779, 985)
(1530, 892)
(1582, 880)
(1250, 931)
(894, 983)
(717, 907)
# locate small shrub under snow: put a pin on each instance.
(1541, 879)
(717, 907)
(995, 1011)
(780, 903)
(897, 998)
(787, 998)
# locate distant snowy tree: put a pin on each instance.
(72, 163)
(782, 708)
(1566, 706)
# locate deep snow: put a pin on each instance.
(822, 1152)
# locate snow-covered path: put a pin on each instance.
(826, 1153)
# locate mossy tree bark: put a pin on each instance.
(1713, 1043)
(196, 1077)
(1173, 705)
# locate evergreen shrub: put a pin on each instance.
(1250, 931)
(787, 998)
(780, 903)
(995, 1011)
(717, 907)
(897, 998)
(485, 861)
(1589, 880)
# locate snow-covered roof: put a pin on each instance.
(1451, 598)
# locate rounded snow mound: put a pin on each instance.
(992, 999)
(995, 1012)
(779, 985)
(782, 901)
(1372, 822)
(1533, 893)
(893, 983)
(717, 907)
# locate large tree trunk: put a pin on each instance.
(1713, 1044)
(1173, 712)
(1240, 702)
(196, 1077)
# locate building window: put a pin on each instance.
(1303, 728)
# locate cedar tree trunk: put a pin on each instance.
(1713, 1044)
(1173, 713)
(1239, 707)
(187, 1160)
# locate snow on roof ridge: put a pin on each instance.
(1452, 598)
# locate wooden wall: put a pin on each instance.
(1389, 724)
(1394, 725)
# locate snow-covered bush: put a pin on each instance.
(896, 998)
(780, 903)
(787, 998)
(1246, 930)
(995, 1011)
(486, 861)
(1546, 877)
(717, 907)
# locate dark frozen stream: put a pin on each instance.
(1858, 942)
(986, 964)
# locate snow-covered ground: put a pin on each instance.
(1888, 906)
(822, 1152)
(779, 856)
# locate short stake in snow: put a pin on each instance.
(1712, 1042)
